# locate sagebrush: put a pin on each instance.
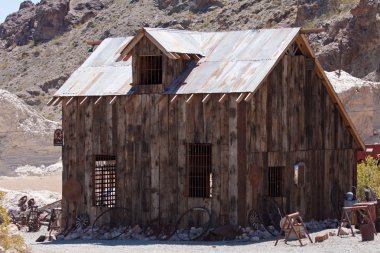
(368, 176)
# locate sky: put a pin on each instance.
(9, 6)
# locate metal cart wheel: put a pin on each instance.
(125, 212)
(193, 224)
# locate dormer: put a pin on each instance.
(159, 57)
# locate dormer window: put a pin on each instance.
(151, 70)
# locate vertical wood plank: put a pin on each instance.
(232, 161)
(242, 162)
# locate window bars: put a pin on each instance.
(105, 181)
(275, 176)
(199, 170)
(151, 70)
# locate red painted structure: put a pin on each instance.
(370, 150)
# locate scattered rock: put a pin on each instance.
(255, 239)
(42, 238)
(343, 231)
(225, 232)
(136, 229)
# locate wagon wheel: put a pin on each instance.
(166, 232)
(193, 224)
(275, 213)
(34, 225)
(82, 221)
(125, 212)
(23, 208)
(22, 201)
(254, 219)
(31, 202)
(152, 228)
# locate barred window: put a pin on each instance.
(199, 170)
(151, 69)
(275, 179)
(105, 181)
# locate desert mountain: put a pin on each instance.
(42, 44)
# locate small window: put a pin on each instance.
(105, 180)
(151, 69)
(199, 170)
(299, 174)
(275, 181)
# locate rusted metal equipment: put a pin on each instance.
(31, 216)
(364, 212)
(289, 226)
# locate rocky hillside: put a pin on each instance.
(42, 44)
(25, 136)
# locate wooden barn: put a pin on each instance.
(171, 119)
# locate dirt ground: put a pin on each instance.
(35, 183)
(346, 244)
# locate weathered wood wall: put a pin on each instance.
(290, 118)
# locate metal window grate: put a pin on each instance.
(275, 181)
(105, 181)
(151, 69)
(199, 170)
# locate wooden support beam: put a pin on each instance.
(248, 97)
(70, 100)
(113, 100)
(127, 56)
(94, 42)
(173, 99)
(177, 56)
(189, 99)
(97, 101)
(84, 100)
(222, 98)
(131, 45)
(51, 101)
(240, 98)
(206, 98)
(311, 30)
(185, 56)
(56, 102)
(196, 57)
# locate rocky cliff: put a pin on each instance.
(42, 44)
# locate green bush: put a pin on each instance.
(368, 176)
(7, 240)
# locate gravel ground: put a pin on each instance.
(334, 244)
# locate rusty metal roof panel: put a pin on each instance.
(100, 74)
(177, 41)
(222, 77)
(235, 61)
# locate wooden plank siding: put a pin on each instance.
(289, 119)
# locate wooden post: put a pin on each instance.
(83, 101)
(206, 98)
(189, 99)
(222, 98)
(71, 99)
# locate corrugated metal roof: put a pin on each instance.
(234, 62)
(177, 41)
(100, 74)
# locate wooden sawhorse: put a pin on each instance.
(288, 227)
(364, 210)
